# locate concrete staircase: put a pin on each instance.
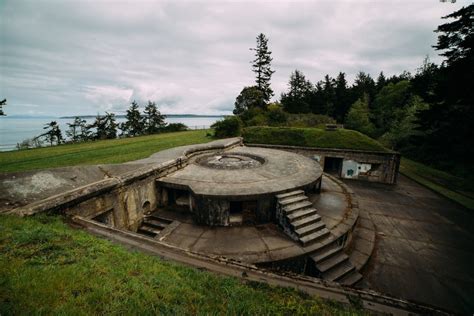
(152, 225)
(300, 221)
(334, 265)
(299, 218)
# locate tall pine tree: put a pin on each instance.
(133, 126)
(53, 133)
(296, 100)
(262, 66)
(153, 120)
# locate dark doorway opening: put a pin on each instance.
(106, 218)
(235, 213)
(235, 207)
(333, 165)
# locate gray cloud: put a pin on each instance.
(83, 57)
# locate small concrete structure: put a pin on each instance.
(372, 166)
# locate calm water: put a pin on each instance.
(14, 130)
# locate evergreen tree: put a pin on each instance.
(342, 101)
(316, 99)
(110, 126)
(249, 98)
(153, 120)
(329, 95)
(358, 116)
(381, 81)
(100, 127)
(2, 103)
(75, 131)
(364, 84)
(299, 90)
(425, 81)
(447, 124)
(456, 38)
(262, 66)
(84, 131)
(53, 133)
(133, 126)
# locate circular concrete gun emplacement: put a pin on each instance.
(261, 206)
(241, 185)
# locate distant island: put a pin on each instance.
(123, 116)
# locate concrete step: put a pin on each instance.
(159, 218)
(293, 199)
(339, 271)
(332, 262)
(306, 230)
(326, 253)
(351, 279)
(306, 221)
(147, 230)
(150, 228)
(288, 194)
(296, 206)
(300, 214)
(182, 200)
(320, 234)
(155, 223)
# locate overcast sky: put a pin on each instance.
(86, 57)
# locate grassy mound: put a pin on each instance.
(48, 268)
(311, 137)
(98, 152)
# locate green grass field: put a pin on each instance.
(48, 268)
(98, 152)
(452, 187)
(311, 137)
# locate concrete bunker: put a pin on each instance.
(227, 190)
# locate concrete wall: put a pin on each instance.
(374, 166)
(123, 207)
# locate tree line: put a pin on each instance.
(151, 121)
(427, 115)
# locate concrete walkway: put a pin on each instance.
(424, 247)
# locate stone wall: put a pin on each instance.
(374, 166)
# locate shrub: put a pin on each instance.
(230, 126)
(274, 136)
(175, 127)
(257, 120)
(309, 120)
(276, 116)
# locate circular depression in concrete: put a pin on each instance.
(231, 161)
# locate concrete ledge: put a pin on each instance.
(350, 219)
(64, 200)
(363, 243)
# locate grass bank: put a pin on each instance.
(98, 152)
(311, 137)
(48, 268)
(452, 187)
